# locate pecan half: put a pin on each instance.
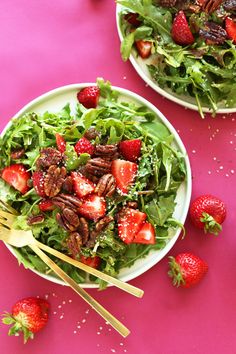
(99, 227)
(108, 152)
(74, 242)
(209, 6)
(66, 200)
(132, 205)
(68, 219)
(106, 186)
(54, 180)
(17, 154)
(67, 185)
(48, 156)
(83, 230)
(98, 166)
(35, 219)
(91, 134)
(167, 3)
(213, 33)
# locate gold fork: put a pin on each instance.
(20, 238)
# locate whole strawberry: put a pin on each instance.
(180, 32)
(89, 96)
(208, 212)
(186, 269)
(29, 316)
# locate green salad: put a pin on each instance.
(190, 46)
(96, 181)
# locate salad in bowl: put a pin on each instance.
(99, 174)
(185, 50)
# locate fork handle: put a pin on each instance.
(116, 324)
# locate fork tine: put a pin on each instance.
(6, 218)
(8, 207)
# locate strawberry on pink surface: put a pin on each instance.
(83, 145)
(180, 32)
(130, 222)
(17, 176)
(28, 315)
(89, 96)
(124, 173)
(38, 183)
(146, 234)
(82, 185)
(61, 143)
(230, 27)
(144, 48)
(93, 207)
(130, 149)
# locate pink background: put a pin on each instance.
(46, 44)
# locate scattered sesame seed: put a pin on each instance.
(98, 333)
(232, 171)
(84, 320)
(75, 332)
(70, 301)
(54, 313)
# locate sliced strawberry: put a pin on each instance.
(124, 173)
(129, 224)
(180, 32)
(83, 145)
(130, 149)
(93, 207)
(93, 262)
(132, 18)
(82, 186)
(17, 176)
(230, 27)
(146, 235)
(89, 96)
(38, 183)
(46, 205)
(61, 143)
(144, 48)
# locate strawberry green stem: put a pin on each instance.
(210, 224)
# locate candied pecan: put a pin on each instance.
(67, 201)
(213, 33)
(84, 229)
(74, 242)
(167, 3)
(98, 166)
(67, 185)
(68, 220)
(229, 5)
(132, 205)
(209, 6)
(17, 154)
(108, 152)
(54, 180)
(91, 134)
(100, 226)
(48, 156)
(35, 219)
(106, 186)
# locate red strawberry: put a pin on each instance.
(93, 207)
(83, 145)
(93, 262)
(124, 173)
(28, 315)
(132, 18)
(38, 183)
(82, 186)
(230, 27)
(180, 32)
(186, 269)
(46, 205)
(17, 176)
(144, 48)
(130, 149)
(130, 222)
(61, 143)
(89, 96)
(146, 235)
(208, 212)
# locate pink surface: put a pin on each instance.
(46, 44)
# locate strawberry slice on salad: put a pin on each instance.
(230, 27)
(46, 205)
(146, 235)
(38, 183)
(130, 149)
(61, 143)
(180, 32)
(89, 96)
(130, 222)
(83, 145)
(93, 262)
(93, 207)
(124, 173)
(17, 176)
(82, 185)
(144, 48)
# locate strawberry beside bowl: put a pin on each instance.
(131, 208)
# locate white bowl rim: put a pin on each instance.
(78, 86)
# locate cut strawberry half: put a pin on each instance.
(89, 96)
(61, 143)
(46, 205)
(130, 149)
(83, 145)
(230, 27)
(93, 262)
(129, 224)
(38, 183)
(146, 234)
(17, 176)
(82, 186)
(93, 207)
(144, 48)
(132, 18)
(124, 173)
(180, 32)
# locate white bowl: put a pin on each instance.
(55, 100)
(140, 66)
